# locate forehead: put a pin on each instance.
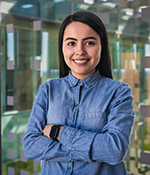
(79, 29)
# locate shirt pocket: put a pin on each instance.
(93, 121)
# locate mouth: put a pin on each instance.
(81, 61)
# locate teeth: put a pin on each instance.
(80, 61)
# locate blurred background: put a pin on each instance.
(29, 56)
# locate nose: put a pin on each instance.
(80, 49)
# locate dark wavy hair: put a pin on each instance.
(92, 20)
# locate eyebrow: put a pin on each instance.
(70, 38)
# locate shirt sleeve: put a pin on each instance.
(35, 144)
(111, 144)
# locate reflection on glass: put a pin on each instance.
(45, 37)
(10, 46)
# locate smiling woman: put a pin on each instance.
(82, 50)
(81, 123)
(95, 24)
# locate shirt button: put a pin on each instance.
(72, 126)
(75, 105)
(79, 81)
(69, 168)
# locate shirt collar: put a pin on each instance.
(88, 81)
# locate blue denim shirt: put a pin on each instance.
(97, 115)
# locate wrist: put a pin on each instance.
(55, 132)
(60, 128)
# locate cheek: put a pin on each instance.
(66, 57)
(68, 54)
(96, 54)
(99, 52)
(65, 52)
(99, 55)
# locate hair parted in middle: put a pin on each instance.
(92, 20)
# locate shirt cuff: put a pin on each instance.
(66, 136)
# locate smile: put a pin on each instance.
(80, 61)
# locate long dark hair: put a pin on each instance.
(92, 20)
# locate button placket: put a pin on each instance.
(75, 104)
(69, 168)
(79, 81)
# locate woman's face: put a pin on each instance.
(81, 49)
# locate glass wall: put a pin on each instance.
(29, 56)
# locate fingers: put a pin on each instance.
(46, 130)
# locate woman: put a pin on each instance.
(81, 123)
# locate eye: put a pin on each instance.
(90, 43)
(71, 43)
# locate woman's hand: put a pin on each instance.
(47, 130)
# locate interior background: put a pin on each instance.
(29, 56)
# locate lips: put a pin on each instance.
(81, 61)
